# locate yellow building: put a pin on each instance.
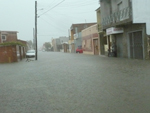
(104, 43)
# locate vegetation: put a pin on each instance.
(47, 46)
(11, 43)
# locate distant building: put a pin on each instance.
(58, 43)
(75, 31)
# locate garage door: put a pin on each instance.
(119, 44)
(136, 45)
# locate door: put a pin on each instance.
(119, 45)
(136, 45)
(96, 49)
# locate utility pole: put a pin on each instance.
(33, 39)
(36, 30)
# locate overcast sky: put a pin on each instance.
(18, 15)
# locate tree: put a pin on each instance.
(47, 46)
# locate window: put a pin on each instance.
(4, 37)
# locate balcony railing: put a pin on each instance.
(118, 16)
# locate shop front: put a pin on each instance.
(115, 41)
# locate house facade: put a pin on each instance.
(12, 49)
(103, 40)
(58, 43)
(121, 27)
(75, 32)
(64, 44)
(90, 40)
(8, 36)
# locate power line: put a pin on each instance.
(78, 4)
(51, 8)
(53, 25)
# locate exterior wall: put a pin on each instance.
(98, 15)
(10, 36)
(106, 8)
(148, 43)
(56, 42)
(72, 35)
(88, 35)
(63, 39)
(120, 12)
(114, 4)
(133, 28)
(111, 6)
(78, 40)
(77, 28)
(69, 44)
(141, 15)
(125, 39)
(132, 22)
(102, 38)
(8, 54)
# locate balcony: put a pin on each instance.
(120, 17)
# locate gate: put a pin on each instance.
(136, 45)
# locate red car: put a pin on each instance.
(79, 50)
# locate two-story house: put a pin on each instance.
(102, 39)
(75, 31)
(127, 23)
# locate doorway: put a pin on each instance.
(136, 45)
(119, 44)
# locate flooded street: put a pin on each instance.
(75, 83)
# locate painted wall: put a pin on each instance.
(10, 36)
(78, 40)
(114, 4)
(88, 35)
(141, 13)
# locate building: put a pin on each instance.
(64, 44)
(56, 43)
(90, 40)
(12, 49)
(8, 36)
(102, 39)
(77, 40)
(127, 26)
(75, 32)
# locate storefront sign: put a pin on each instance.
(114, 30)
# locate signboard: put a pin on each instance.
(114, 30)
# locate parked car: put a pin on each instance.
(30, 53)
(79, 49)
